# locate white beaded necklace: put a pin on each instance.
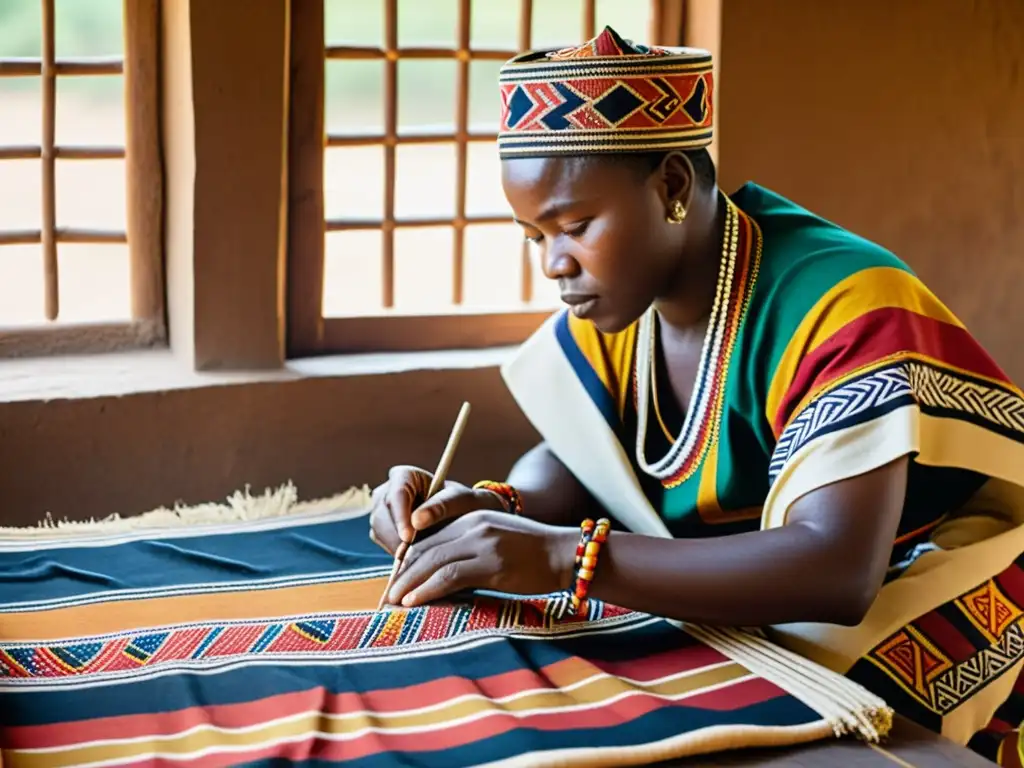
(683, 446)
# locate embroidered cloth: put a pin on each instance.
(255, 642)
(607, 95)
(829, 359)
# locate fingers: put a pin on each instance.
(451, 503)
(449, 579)
(441, 570)
(383, 530)
(453, 559)
(400, 510)
(392, 504)
(406, 487)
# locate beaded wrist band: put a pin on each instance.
(509, 495)
(574, 601)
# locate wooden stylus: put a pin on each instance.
(436, 485)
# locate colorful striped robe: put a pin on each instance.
(833, 359)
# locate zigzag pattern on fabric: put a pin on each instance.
(898, 384)
(962, 681)
(343, 637)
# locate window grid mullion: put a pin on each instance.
(48, 164)
(390, 142)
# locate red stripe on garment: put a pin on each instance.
(879, 334)
(276, 707)
(685, 659)
(489, 725)
(946, 636)
(999, 726)
(1009, 754)
(660, 665)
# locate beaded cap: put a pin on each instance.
(607, 95)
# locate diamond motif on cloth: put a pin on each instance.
(618, 104)
(605, 95)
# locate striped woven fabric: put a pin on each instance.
(256, 642)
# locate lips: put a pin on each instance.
(574, 299)
(582, 304)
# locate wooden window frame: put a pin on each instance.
(140, 67)
(308, 331)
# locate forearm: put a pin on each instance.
(754, 579)
(550, 493)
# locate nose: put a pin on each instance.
(557, 262)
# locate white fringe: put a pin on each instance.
(847, 706)
(241, 505)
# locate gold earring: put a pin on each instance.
(676, 213)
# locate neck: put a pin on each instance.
(692, 293)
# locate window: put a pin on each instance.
(80, 179)
(399, 235)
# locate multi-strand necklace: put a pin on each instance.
(674, 468)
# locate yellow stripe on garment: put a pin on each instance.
(109, 618)
(584, 687)
(708, 508)
(858, 294)
(609, 354)
(707, 491)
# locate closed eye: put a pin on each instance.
(579, 229)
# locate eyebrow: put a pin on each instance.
(551, 212)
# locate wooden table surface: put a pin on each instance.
(908, 746)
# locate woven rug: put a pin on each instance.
(245, 633)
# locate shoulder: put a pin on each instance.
(808, 262)
(828, 302)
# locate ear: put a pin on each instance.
(677, 179)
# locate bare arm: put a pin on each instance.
(550, 492)
(825, 565)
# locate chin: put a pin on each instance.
(617, 319)
(611, 323)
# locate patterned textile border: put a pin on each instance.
(250, 638)
(932, 665)
(341, 638)
(937, 390)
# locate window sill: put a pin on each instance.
(127, 373)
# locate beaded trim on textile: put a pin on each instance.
(344, 636)
(607, 95)
(736, 280)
